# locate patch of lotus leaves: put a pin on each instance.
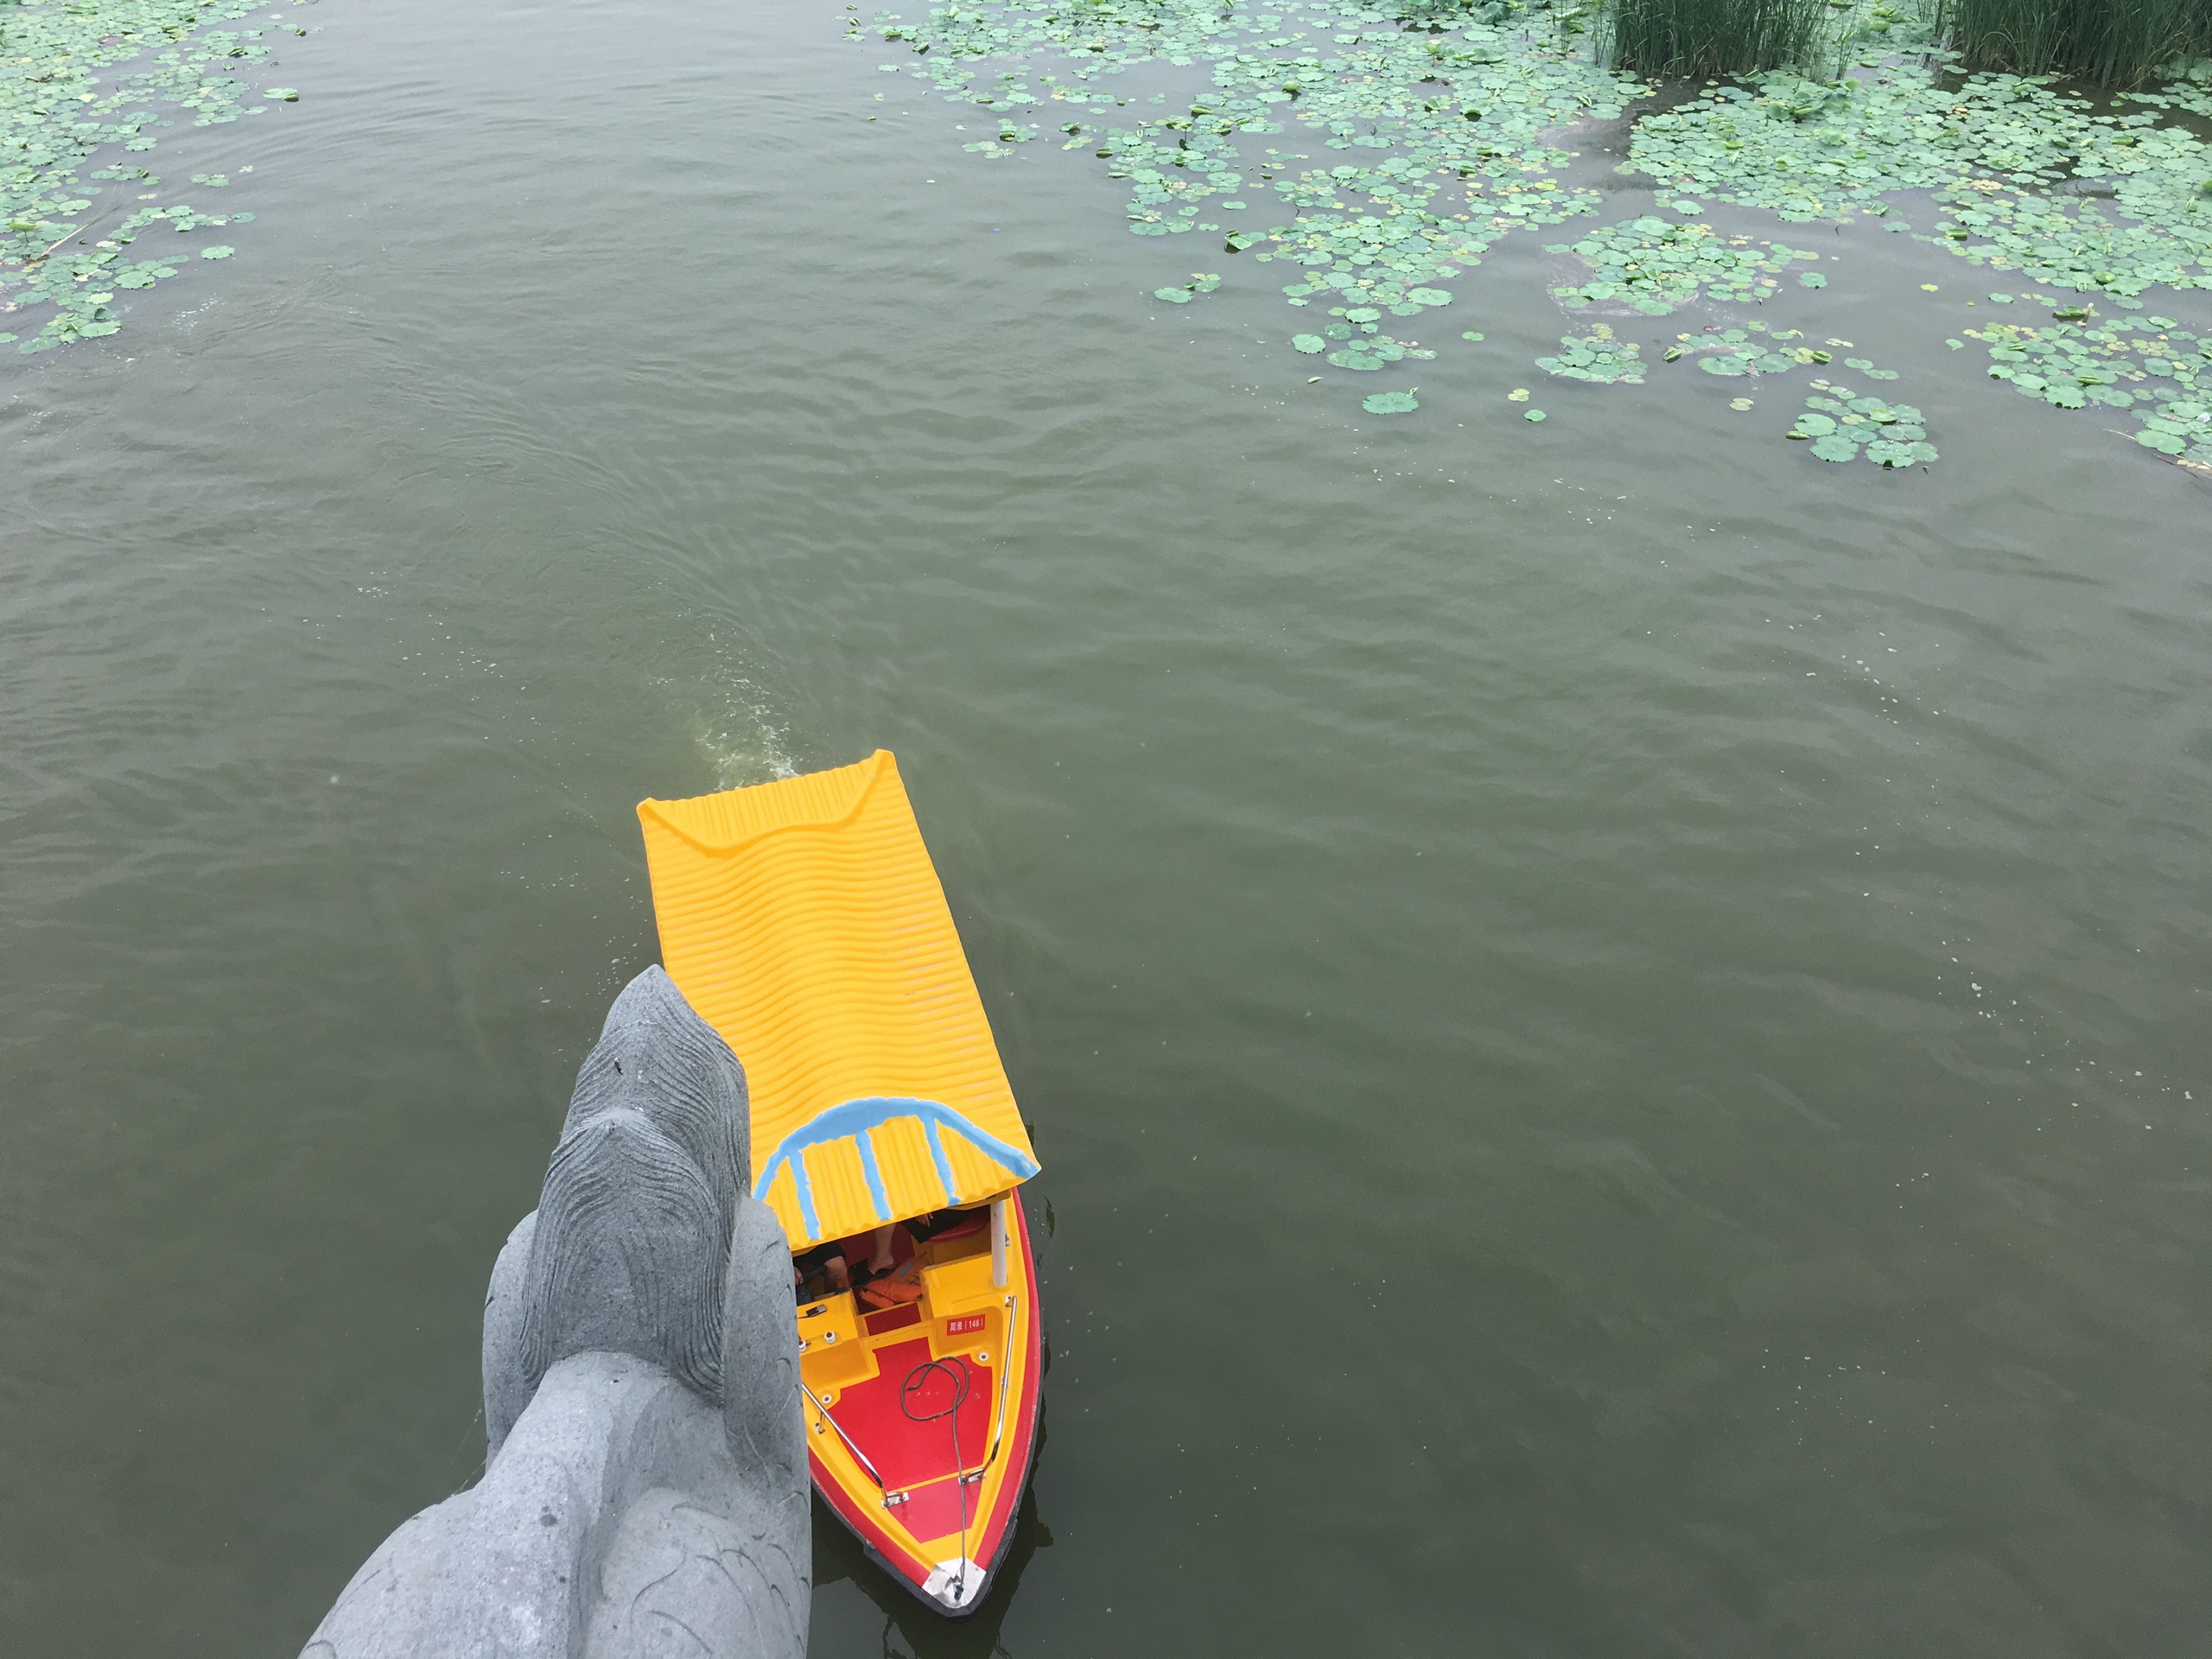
(1440, 140)
(1810, 151)
(2035, 178)
(1377, 352)
(2150, 367)
(1841, 426)
(1655, 264)
(58, 109)
(1201, 282)
(1419, 146)
(1754, 349)
(1597, 357)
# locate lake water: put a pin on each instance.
(1616, 1018)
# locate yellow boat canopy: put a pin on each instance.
(804, 920)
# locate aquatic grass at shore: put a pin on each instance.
(2112, 42)
(1680, 39)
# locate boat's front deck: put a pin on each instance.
(889, 1389)
(916, 1457)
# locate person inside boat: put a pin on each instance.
(821, 1271)
(829, 1264)
(946, 1224)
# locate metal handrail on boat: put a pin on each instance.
(1006, 1375)
(846, 1437)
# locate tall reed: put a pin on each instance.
(1716, 37)
(2114, 42)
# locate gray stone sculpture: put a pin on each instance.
(646, 1489)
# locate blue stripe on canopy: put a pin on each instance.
(856, 1120)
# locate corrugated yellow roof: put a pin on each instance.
(804, 920)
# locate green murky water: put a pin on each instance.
(1615, 1016)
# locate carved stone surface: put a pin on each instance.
(645, 1489)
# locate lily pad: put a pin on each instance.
(1389, 403)
(1312, 344)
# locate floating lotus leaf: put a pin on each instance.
(1389, 403)
(1534, 414)
(1309, 344)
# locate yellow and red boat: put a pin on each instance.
(804, 920)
